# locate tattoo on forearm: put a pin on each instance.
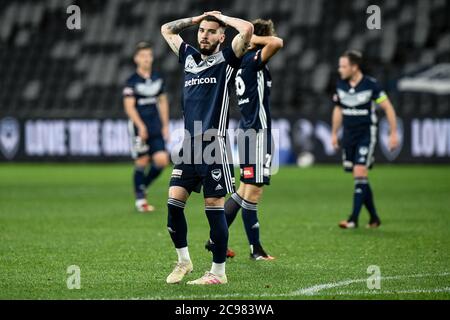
(178, 25)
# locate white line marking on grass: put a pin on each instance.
(315, 290)
(378, 292)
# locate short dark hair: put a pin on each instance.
(142, 45)
(263, 28)
(354, 56)
(214, 19)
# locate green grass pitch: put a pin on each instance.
(56, 215)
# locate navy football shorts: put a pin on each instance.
(358, 147)
(217, 178)
(255, 156)
(148, 147)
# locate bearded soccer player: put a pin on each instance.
(253, 84)
(356, 99)
(208, 73)
(147, 107)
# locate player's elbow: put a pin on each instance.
(276, 43)
(164, 29)
(279, 43)
(247, 30)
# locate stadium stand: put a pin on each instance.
(58, 72)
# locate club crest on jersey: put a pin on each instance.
(9, 137)
(216, 174)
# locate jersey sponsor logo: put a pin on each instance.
(216, 174)
(9, 137)
(197, 81)
(149, 88)
(147, 101)
(243, 101)
(249, 173)
(355, 112)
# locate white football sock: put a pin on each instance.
(218, 269)
(183, 255)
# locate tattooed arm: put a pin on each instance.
(170, 31)
(242, 40)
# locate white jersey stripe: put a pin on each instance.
(262, 111)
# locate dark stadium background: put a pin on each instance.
(48, 72)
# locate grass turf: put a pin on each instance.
(53, 216)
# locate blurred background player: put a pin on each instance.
(355, 101)
(253, 83)
(208, 73)
(147, 107)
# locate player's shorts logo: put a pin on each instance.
(216, 174)
(9, 137)
(249, 173)
(363, 151)
(176, 173)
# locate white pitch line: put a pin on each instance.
(378, 292)
(314, 290)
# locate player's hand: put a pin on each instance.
(199, 18)
(143, 133)
(393, 141)
(334, 141)
(166, 133)
(216, 14)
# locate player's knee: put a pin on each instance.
(360, 171)
(178, 193)
(214, 202)
(161, 159)
(253, 193)
(142, 161)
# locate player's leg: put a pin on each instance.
(360, 174)
(348, 156)
(140, 165)
(160, 160)
(363, 158)
(234, 204)
(182, 182)
(218, 181)
(251, 198)
(214, 209)
(368, 197)
(139, 152)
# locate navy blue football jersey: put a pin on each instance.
(358, 104)
(146, 92)
(253, 83)
(207, 85)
